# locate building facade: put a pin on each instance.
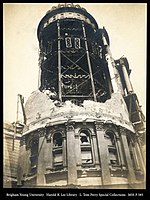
(11, 146)
(84, 126)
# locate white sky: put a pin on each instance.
(126, 27)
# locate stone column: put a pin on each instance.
(103, 154)
(139, 155)
(71, 155)
(120, 152)
(131, 174)
(23, 161)
(41, 168)
(135, 157)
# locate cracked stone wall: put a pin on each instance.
(40, 110)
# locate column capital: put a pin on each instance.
(99, 125)
(70, 126)
(48, 136)
(41, 132)
(122, 130)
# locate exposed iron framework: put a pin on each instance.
(72, 52)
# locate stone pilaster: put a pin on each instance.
(139, 155)
(103, 153)
(122, 161)
(23, 161)
(41, 168)
(48, 155)
(71, 154)
(131, 174)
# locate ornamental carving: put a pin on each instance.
(122, 130)
(48, 135)
(99, 126)
(70, 126)
(41, 132)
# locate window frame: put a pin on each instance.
(57, 150)
(33, 156)
(113, 148)
(86, 148)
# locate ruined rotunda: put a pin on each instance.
(84, 127)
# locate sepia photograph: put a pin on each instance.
(74, 96)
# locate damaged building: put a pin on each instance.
(84, 127)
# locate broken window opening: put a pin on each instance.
(34, 155)
(112, 149)
(57, 150)
(86, 150)
(57, 140)
(84, 137)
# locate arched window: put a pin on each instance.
(112, 148)
(57, 149)
(57, 140)
(34, 143)
(85, 144)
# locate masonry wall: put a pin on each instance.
(10, 156)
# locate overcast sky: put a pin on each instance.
(125, 24)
